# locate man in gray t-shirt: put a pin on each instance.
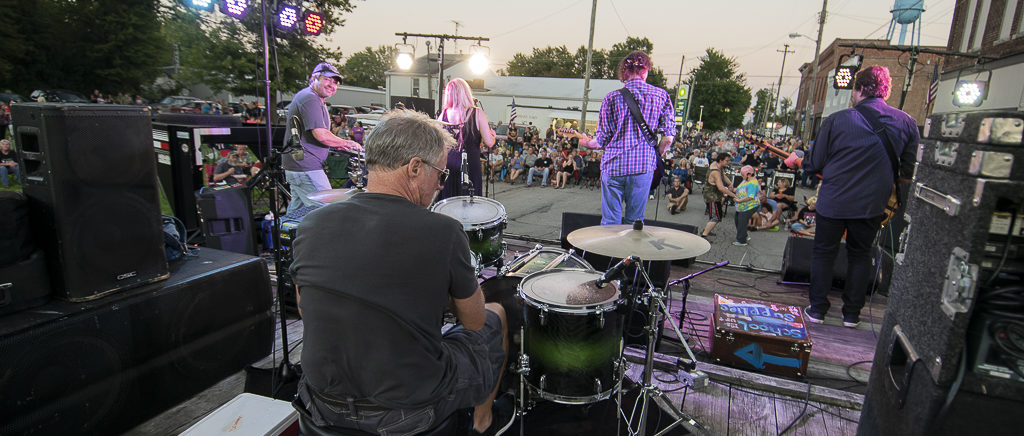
(304, 168)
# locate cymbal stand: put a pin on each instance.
(686, 291)
(648, 391)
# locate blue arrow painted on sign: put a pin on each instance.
(753, 355)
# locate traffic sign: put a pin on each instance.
(681, 107)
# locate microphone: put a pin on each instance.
(614, 271)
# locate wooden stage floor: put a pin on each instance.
(734, 402)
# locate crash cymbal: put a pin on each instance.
(647, 243)
(334, 195)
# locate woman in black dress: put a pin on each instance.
(468, 124)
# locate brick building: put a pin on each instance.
(993, 29)
(829, 100)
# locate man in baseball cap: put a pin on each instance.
(308, 118)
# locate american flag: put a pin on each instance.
(512, 117)
(933, 89)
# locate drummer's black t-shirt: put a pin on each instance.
(375, 273)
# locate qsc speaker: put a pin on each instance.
(225, 215)
(796, 262)
(102, 367)
(90, 178)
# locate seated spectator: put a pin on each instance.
(804, 220)
(497, 163)
(8, 163)
(230, 170)
(542, 165)
(530, 157)
(765, 218)
(678, 196)
(577, 160)
(784, 195)
(699, 159)
(565, 169)
(516, 167)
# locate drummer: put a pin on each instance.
(373, 356)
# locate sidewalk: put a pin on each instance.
(537, 212)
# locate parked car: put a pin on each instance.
(7, 97)
(58, 96)
(192, 107)
(341, 109)
(167, 103)
(501, 132)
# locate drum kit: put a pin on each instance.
(569, 319)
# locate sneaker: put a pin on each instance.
(851, 322)
(502, 416)
(810, 316)
(651, 197)
(739, 244)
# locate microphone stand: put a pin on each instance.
(686, 287)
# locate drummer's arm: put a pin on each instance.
(470, 311)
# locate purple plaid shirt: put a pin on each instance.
(626, 152)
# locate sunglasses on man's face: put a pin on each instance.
(442, 174)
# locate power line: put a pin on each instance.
(542, 18)
(612, 2)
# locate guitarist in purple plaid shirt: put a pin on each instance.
(629, 159)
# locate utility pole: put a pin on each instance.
(809, 119)
(785, 51)
(767, 108)
(679, 85)
(586, 77)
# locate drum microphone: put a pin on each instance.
(612, 273)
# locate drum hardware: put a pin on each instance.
(483, 220)
(686, 292)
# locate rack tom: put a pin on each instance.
(483, 220)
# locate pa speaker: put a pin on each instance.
(225, 215)
(102, 367)
(90, 178)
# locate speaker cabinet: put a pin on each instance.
(225, 214)
(796, 262)
(90, 178)
(104, 366)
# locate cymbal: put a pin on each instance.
(334, 195)
(648, 243)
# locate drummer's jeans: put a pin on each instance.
(303, 183)
(624, 192)
(544, 178)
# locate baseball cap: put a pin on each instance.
(747, 169)
(327, 70)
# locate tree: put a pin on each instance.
(113, 46)
(721, 89)
(762, 107)
(560, 62)
(366, 68)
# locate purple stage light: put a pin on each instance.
(287, 16)
(235, 8)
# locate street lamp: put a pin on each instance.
(700, 118)
(800, 35)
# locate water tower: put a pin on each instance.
(906, 13)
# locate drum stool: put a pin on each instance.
(449, 427)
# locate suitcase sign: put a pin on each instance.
(754, 334)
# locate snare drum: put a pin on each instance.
(484, 222)
(504, 288)
(573, 335)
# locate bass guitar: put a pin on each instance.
(794, 161)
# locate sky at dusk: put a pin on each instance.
(750, 31)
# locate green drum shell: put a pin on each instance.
(484, 226)
(573, 351)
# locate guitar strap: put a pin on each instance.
(879, 129)
(634, 110)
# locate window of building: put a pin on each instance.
(416, 87)
(1020, 18)
(965, 35)
(1006, 27)
(979, 29)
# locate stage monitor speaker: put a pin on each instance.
(796, 262)
(15, 233)
(104, 366)
(225, 215)
(91, 181)
(24, 284)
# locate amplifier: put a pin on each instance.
(760, 335)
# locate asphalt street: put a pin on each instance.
(536, 212)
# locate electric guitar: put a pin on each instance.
(797, 162)
(659, 171)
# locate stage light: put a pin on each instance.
(312, 22)
(235, 8)
(203, 5)
(405, 55)
(844, 77)
(478, 62)
(969, 93)
(287, 16)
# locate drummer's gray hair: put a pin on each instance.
(403, 135)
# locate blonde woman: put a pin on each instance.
(468, 124)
